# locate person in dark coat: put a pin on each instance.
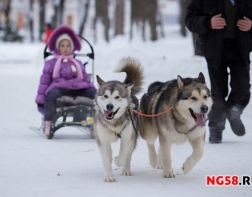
(62, 75)
(225, 38)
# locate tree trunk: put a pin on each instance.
(183, 6)
(55, 17)
(85, 16)
(144, 12)
(101, 12)
(137, 16)
(151, 16)
(30, 18)
(41, 19)
(160, 22)
(61, 11)
(119, 17)
(7, 11)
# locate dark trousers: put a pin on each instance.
(54, 94)
(233, 69)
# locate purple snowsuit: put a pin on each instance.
(67, 76)
(67, 79)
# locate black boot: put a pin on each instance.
(217, 121)
(234, 117)
(216, 130)
(215, 136)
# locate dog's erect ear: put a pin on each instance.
(99, 80)
(201, 78)
(180, 82)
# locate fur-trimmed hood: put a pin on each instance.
(60, 31)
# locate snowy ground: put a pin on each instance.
(70, 164)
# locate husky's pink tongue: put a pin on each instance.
(107, 113)
(200, 120)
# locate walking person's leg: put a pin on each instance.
(239, 95)
(219, 89)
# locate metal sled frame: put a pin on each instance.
(77, 112)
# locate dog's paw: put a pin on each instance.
(169, 174)
(126, 173)
(153, 164)
(153, 160)
(110, 179)
(159, 166)
(117, 161)
(187, 166)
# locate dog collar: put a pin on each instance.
(194, 127)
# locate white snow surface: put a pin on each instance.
(70, 164)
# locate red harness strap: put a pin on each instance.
(167, 110)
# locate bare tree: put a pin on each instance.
(61, 10)
(136, 16)
(151, 17)
(85, 16)
(1, 11)
(57, 18)
(160, 22)
(183, 6)
(119, 17)
(30, 20)
(55, 14)
(101, 12)
(144, 12)
(7, 10)
(41, 18)
(10, 32)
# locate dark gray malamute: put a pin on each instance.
(190, 101)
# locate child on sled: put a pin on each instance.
(62, 75)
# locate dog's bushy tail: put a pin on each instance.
(134, 73)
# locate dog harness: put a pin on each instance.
(118, 134)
